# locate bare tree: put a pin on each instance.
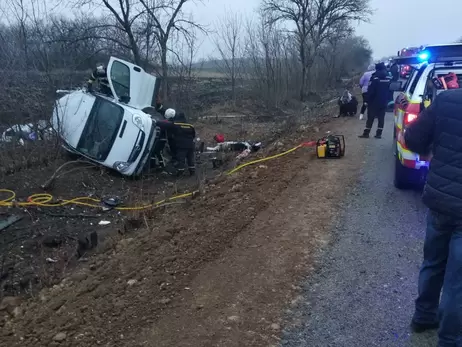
(167, 16)
(228, 42)
(126, 14)
(184, 50)
(314, 21)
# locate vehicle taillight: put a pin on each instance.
(409, 118)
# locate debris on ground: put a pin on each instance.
(5, 223)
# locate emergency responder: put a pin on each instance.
(364, 84)
(158, 149)
(438, 129)
(180, 137)
(394, 70)
(378, 96)
(100, 75)
(168, 114)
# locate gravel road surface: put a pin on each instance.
(364, 292)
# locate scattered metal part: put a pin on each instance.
(9, 221)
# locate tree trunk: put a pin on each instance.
(233, 81)
(303, 61)
(302, 85)
(163, 48)
(135, 48)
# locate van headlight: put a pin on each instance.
(121, 166)
(138, 121)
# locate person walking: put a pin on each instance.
(377, 96)
(438, 129)
(364, 84)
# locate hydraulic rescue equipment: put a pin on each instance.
(331, 146)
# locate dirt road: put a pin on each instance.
(218, 272)
(363, 294)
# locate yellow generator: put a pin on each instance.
(331, 146)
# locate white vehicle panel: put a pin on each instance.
(70, 115)
(129, 80)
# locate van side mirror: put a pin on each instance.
(396, 86)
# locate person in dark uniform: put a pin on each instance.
(100, 75)
(180, 136)
(168, 114)
(394, 70)
(378, 98)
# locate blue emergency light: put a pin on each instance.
(424, 56)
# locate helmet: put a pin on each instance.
(100, 67)
(170, 113)
(380, 66)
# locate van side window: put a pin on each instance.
(120, 78)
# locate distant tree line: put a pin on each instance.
(289, 49)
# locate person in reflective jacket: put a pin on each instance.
(181, 136)
(100, 75)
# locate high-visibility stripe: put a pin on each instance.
(184, 124)
(410, 159)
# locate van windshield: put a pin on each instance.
(101, 129)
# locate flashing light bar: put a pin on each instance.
(424, 56)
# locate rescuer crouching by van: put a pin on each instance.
(180, 137)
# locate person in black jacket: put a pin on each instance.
(180, 135)
(394, 70)
(169, 114)
(438, 129)
(377, 94)
(100, 75)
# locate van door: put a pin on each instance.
(131, 85)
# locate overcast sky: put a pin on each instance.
(431, 22)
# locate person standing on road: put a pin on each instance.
(377, 96)
(439, 129)
(364, 84)
(394, 70)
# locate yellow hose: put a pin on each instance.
(46, 200)
(263, 159)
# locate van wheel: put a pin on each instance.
(402, 175)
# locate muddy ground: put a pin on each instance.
(39, 249)
(218, 270)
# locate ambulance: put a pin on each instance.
(434, 69)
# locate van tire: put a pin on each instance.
(402, 175)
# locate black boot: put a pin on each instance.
(378, 134)
(420, 327)
(365, 134)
